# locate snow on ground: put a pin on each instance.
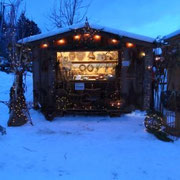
(83, 147)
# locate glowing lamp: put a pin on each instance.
(77, 37)
(142, 54)
(129, 45)
(149, 68)
(61, 42)
(114, 41)
(101, 76)
(86, 35)
(112, 104)
(157, 59)
(97, 37)
(118, 103)
(45, 45)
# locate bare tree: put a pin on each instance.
(68, 12)
(12, 16)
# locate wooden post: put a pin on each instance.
(124, 68)
(52, 77)
(148, 79)
(177, 123)
(36, 77)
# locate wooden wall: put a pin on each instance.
(174, 79)
(43, 77)
(135, 79)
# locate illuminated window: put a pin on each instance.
(88, 65)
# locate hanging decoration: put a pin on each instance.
(80, 55)
(82, 67)
(91, 56)
(86, 35)
(90, 68)
(72, 56)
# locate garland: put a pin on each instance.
(154, 122)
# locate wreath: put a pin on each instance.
(90, 67)
(82, 67)
(153, 121)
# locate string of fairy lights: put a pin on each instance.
(87, 36)
(154, 121)
(17, 107)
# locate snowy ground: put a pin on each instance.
(83, 148)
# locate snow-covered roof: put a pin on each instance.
(175, 33)
(93, 26)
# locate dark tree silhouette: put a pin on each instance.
(26, 27)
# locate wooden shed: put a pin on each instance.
(87, 68)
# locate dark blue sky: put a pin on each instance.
(147, 17)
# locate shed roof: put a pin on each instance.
(118, 32)
(171, 35)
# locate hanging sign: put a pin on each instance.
(125, 63)
(79, 86)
